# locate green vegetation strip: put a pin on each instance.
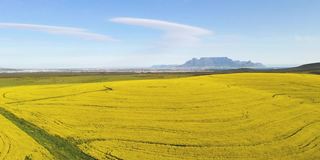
(8, 80)
(60, 148)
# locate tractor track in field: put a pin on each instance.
(309, 143)
(60, 148)
(274, 140)
(112, 157)
(4, 95)
(60, 96)
(6, 146)
(299, 137)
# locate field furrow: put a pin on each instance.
(229, 116)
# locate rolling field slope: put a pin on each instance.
(15, 144)
(227, 116)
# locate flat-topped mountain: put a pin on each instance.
(213, 63)
(220, 62)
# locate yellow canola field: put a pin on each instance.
(229, 116)
(17, 145)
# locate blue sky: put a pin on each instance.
(140, 33)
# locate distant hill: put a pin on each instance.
(311, 68)
(212, 63)
(7, 70)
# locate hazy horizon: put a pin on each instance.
(125, 34)
(137, 66)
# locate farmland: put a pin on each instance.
(175, 116)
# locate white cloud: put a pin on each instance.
(67, 31)
(174, 32)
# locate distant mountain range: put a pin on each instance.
(212, 63)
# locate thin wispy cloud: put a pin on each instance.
(174, 33)
(58, 30)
